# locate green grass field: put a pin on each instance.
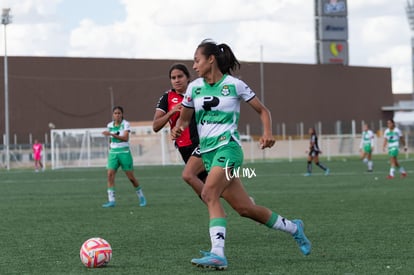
(358, 222)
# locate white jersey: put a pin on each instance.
(393, 137)
(119, 130)
(217, 109)
(367, 138)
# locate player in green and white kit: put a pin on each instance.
(367, 146)
(120, 156)
(215, 99)
(393, 137)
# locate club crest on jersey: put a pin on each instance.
(225, 91)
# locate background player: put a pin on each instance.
(367, 146)
(393, 138)
(37, 155)
(120, 156)
(313, 153)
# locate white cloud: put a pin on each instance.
(378, 31)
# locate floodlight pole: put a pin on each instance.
(5, 20)
(410, 16)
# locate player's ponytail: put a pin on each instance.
(226, 60)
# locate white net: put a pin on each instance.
(89, 148)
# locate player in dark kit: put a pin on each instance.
(168, 111)
(314, 152)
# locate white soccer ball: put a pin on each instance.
(95, 252)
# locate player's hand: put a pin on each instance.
(266, 141)
(177, 108)
(176, 132)
(106, 133)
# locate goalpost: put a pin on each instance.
(89, 148)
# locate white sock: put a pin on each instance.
(402, 170)
(285, 225)
(370, 165)
(139, 192)
(392, 170)
(218, 235)
(111, 194)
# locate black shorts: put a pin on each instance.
(314, 153)
(187, 151)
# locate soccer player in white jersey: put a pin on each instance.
(215, 99)
(367, 146)
(120, 156)
(393, 138)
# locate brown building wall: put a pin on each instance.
(76, 93)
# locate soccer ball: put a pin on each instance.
(95, 252)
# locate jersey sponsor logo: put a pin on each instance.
(209, 102)
(175, 100)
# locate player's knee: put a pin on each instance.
(187, 176)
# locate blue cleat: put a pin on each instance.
(327, 171)
(308, 174)
(142, 201)
(108, 204)
(300, 238)
(210, 260)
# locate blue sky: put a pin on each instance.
(379, 33)
(103, 12)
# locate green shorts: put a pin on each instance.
(230, 156)
(393, 152)
(367, 148)
(122, 158)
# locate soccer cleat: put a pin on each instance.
(403, 174)
(390, 177)
(308, 174)
(210, 260)
(300, 238)
(142, 201)
(327, 171)
(108, 204)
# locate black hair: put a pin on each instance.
(118, 108)
(225, 57)
(181, 67)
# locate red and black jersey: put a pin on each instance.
(167, 102)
